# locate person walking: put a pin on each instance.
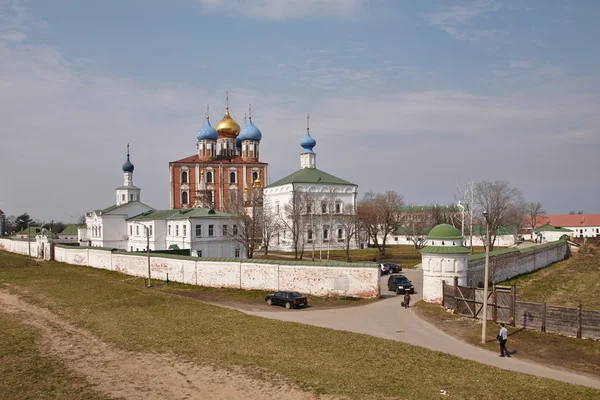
(503, 337)
(406, 300)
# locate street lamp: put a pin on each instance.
(485, 282)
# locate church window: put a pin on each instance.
(232, 177)
(137, 231)
(185, 230)
(224, 230)
(131, 229)
(338, 208)
(254, 176)
(184, 177)
(211, 230)
(184, 198)
(123, 197)
(131, 248)
(309, 208)
(325, 234)
(176, 230)
(131, 197)
(198, 230)
(324, 208)
(341, 233)
(199, 253)
(310, 235)
(237, 253)
(209, 177)
(235, 230)
(169, 229)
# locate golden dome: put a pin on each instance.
(257, 183)
(227, 127)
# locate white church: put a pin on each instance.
(324, 206)
(132, 225)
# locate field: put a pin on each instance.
(124, 338)
(407, 256)
(567, 283)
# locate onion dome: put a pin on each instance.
(250, 132)
(207, 132)
(308, 143)
(227, 127)
(444, 231)
(128, 166)
(238, 141)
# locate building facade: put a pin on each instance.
(313, 207)
(227, 163)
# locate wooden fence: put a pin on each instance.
(503, 306)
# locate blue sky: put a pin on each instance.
(412, 96)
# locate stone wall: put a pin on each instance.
(19, 246)
(306, 277)
(508, 263)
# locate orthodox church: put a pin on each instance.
(225, 165)
(324, 206)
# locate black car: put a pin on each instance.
(287, 299)
(400, 284)
(388, 268)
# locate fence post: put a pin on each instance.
(455, 295)
(513, 303)
(544, 318)
(443, 293)
(579, 321)
(495, 309)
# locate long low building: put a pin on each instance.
(580, 225)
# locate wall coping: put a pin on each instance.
(495, 253)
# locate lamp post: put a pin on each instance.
(485, 282)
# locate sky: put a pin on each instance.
(412, 96)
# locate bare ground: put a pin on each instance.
(130, 375)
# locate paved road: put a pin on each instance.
(388, 320)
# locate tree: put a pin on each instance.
(536, 214)
(416, 225)
(22, 221)
(379, 213)
(269, 225)
(292, 220)
(246, 214)
(348, 223)
(504, 204)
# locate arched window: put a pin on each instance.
(184, 177)
(324, 208)
(209, 177)
(254, 176)
(232, 177)
(184, 198)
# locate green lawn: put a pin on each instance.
(356, 366)
(566, 283)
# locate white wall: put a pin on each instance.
(246, 274)
(19, 246)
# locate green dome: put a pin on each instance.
(444, 231)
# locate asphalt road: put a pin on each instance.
(387, 319)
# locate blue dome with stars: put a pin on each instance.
(250, 132)
(128, 166)
(308, 143)
(207, 132)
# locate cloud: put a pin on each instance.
(459, 21)
(284, 9)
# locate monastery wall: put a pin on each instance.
(310, 278)
(19, 246)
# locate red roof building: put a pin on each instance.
(582, 225)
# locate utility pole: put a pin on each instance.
(485, 283)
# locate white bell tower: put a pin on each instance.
(127, 192)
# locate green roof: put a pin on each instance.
(183, 213)
(311, 175)
(34, 230)
(115, 207)
(444, 231)
(550, 228)
(502, 230)
(70, 230)
(445, 250)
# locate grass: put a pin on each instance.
(129, 316)
(567, 283)
(405, 255)
(29, 374)
(560, 351)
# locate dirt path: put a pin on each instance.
(129, 375)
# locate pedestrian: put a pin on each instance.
(406, 300)
(503, 337)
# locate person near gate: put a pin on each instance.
(406, 299)
(503, 337)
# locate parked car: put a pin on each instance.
(287, 299)
(400, 284)
(388, 268)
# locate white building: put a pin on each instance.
(443, 258)
(580, 225)
(326, 205)
(548, 233)
(207, 232)
(107, 227)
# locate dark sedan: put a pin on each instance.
(287, 299)
(400, 284)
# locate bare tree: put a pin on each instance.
(292, 219)
(466, 204)
(380, 214)
(536, 214)
(269, 225)
(348, 223)
(503, 203)
(246, 214)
